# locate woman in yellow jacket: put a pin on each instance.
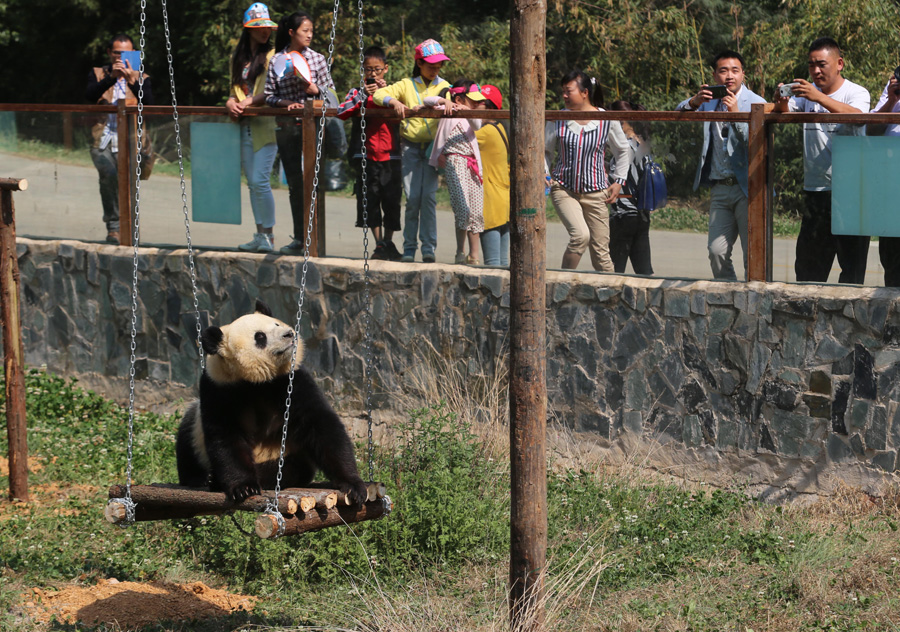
(420, 180)
(248, 79)
(493, 143)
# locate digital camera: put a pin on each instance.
(787, 90)
(718, 92)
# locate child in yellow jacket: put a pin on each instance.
(420, 180)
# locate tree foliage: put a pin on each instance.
(652, 51)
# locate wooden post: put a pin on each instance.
(125, 176)
(310, 130)
(13, 350)
(67, 129)
(528, 347)
(759, 205)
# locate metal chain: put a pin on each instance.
(370, 445)
(273, 504)
(184, 205)
(136, 240)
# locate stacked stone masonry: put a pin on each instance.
(792, 379)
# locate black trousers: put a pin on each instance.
(817, 246)
(889, 253)
(289, 136)
(629, 237)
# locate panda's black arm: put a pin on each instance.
(325, 437)
(230, 451)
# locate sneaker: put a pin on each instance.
(380, 253)
(268, 244)
(427, 258)
(112, 237)
(460, 258)
(391, 250)
(259, 243)
(408, 258)
(294, 248)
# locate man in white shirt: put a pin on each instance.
(889, 247)
(828, 92)
(723, 161)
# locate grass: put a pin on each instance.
(628, 550)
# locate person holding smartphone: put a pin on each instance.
(723, 159)
(107, 85)
(383, 176)
(826, 91)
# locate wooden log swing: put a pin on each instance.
(304, 509)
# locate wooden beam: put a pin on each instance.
(13, 350)
(759, 185)
(167, 502)
(267, 525)
(528, 345)
(124, 175)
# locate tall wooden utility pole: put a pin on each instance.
(528, 332)
(13, 351)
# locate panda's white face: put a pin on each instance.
(253, 348)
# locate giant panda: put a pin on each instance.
(230, 439)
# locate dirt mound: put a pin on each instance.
(131, 605)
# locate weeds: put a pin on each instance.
(627, 551)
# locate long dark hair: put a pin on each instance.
(586, 82)
(641, 128)
(290, 22)
(243, 55)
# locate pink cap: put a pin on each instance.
(431, 51)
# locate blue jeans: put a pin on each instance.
(107, 164)
(420, 182)
(495, 246)
(257, 166)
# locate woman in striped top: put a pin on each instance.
(579, 186)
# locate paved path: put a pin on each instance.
(63, 201)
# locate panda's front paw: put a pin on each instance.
(356, 492)
(240, 492)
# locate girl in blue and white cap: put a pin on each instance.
(249, 64)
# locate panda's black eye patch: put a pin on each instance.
(260, 339)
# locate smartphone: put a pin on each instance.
(132, 58)
(370, 80)
(897, 73)
(718, 92)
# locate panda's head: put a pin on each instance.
(253, 348)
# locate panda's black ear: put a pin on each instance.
(262, 308)
(211, 339)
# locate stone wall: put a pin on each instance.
(784, 386)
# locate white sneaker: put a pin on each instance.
(268, 243)
(259, 243)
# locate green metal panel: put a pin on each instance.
(216, 172)
(865, 178)
(8, 136)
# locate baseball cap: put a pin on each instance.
(492, 94)
(257, 16)
(431, 51)
(474, 92)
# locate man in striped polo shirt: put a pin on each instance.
(723, 160)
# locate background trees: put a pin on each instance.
(653, 51)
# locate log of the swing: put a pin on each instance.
(267, 525)
(166, 502)
(374, 491)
